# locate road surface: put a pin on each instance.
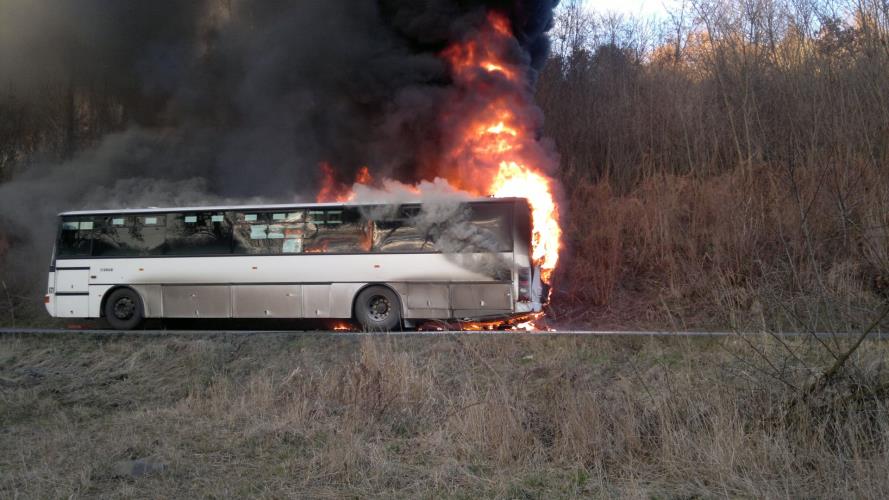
(555, 333)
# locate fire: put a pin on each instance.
(490, 144)
(329, 186)
(495, 151)
(483, 51)
(514, 179)
(527, 323)
(363, 176)
(500, 24)
(334, 191)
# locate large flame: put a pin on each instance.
(491, 148)
(495, 151)
(515, 179)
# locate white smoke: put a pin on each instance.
(444, 216)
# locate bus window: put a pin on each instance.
(399, 235)
(394, 230)
(147, 235)
(493, 223)
(110, 235)
(202, 233)
(290, 227)
(75, 237)
(264, 233)
(250, 233)
(483, 227)
(341, 230)
(474, 228)
(129, 236)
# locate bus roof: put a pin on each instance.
(263, 207)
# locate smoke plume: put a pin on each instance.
(235, 100)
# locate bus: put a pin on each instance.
(384, 266)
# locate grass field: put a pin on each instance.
(496, 416)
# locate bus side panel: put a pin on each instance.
(72, 280)
(428, 296)
(316, 301)
(267, 301)
(342, 296)
(427, 300)
(201, 301)
(97, 293)
(482, 297)
(283, 269)
(152, 300)
(72, 306)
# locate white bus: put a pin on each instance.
(384, 266)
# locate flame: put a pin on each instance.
(495, 151)
(482, 52)
(329, 190)
(334, 191)
(342, 327)
(514, 179)
(363, 176)
(500, 24)
(491, 148)
(527, 322)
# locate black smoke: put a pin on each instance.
(234, 99)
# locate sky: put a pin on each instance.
(644, 7)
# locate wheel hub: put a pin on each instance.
(379, 308)
(124, 308)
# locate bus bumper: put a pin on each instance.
(49, 301)
(50, 304)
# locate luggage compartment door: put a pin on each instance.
(316, 301)
(427, 296)
(266, 301)
(72, 280)
(188, 301)
(72, 306)
(482, 297)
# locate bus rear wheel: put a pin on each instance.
(377, 309)
(123, 309)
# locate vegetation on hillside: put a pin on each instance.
(730, 167)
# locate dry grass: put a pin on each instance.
(752, 248)
(502, 416)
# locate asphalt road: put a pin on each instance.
(556, 333)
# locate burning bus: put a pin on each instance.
(385, 266)
(487, 258)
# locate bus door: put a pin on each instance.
(72, 278)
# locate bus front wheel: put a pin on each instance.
(123, 309)
(377, 309)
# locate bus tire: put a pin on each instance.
(123, 309)
(377, 309)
